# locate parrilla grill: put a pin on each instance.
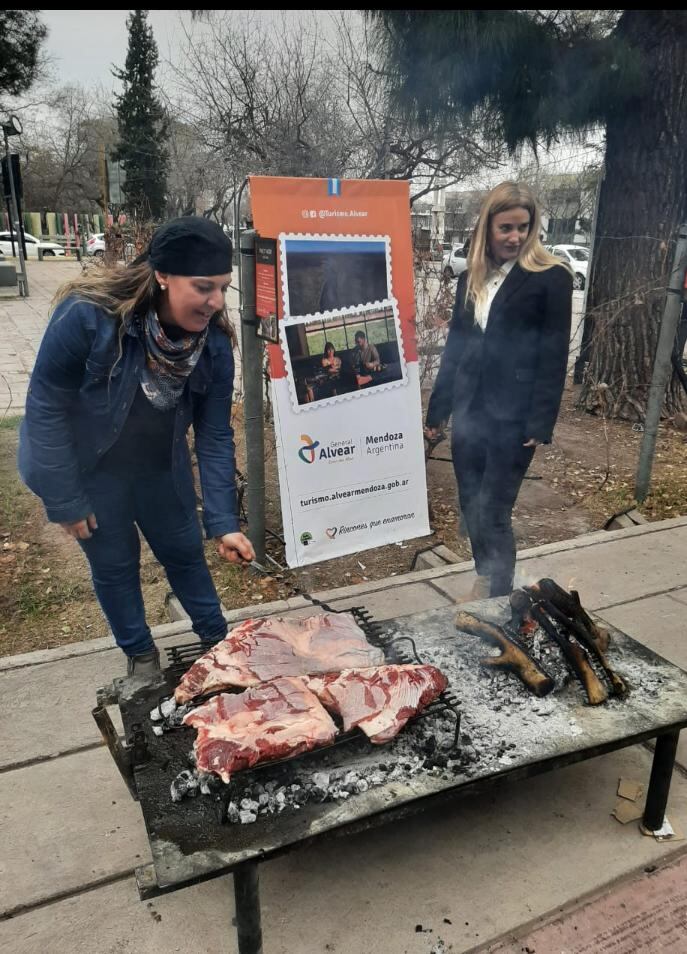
(506, 732)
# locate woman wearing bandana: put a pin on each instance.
(130, 359)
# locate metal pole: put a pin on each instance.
(247, 900)
(662, 366)
(587, 322)
(253, 417)
(22, 276)
(659, 784)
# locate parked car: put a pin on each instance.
(96, 245)
(577, 257)
(453, 263)
(32, 245)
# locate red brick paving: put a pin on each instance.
(647, 915)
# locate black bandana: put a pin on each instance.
(168, 363)
(190, 245)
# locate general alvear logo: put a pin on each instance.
(334, 451)
(307, 451)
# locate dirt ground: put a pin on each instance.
(576, 484)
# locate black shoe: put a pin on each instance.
(147, 664)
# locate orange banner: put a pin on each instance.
(361, 207)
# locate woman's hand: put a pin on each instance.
(431, 433)
(235, 548)
(81, 529)
(532, 442)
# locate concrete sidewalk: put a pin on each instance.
(472, 875)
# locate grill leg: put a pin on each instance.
(659, 784)
(247, 896)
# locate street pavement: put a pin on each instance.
(534, 865)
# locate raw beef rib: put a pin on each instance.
(279, 719)
(261, 649)
(379, 701)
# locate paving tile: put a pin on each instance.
(65, 824)
(396, 601)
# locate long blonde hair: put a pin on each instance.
(123, 291)
(533, 256)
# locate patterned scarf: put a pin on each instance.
(168, 363)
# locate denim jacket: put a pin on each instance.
(79, 397)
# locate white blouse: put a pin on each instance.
(494, 282)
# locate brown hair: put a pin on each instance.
(533, 256)
(123, 291)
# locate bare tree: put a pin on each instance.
(288, 101)
(62, 147)
(389, 144)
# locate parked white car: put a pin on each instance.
(577, 257)
(32, 245)
(96, 245)
(453, 263)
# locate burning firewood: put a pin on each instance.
(522, 601)
(569, 603)
(512, 657)
(555, 598)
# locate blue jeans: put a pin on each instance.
(490, 464)
(173, 532)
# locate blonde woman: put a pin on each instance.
(130, 359)
(502, 373)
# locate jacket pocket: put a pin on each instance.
(96, 371)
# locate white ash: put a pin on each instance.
(186, 784)
(169, 714)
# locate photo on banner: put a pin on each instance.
(342, 356)
(326, 273)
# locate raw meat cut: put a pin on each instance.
(261, 649)
(279, 719)
(379, 701)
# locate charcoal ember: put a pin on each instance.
(185, 784)
(158, 730)
(233, 814)
(430, 745)
(362, 786)
(321, 780)
(176, 716)
(155, 714)
(167, 707)
(247, 804)
(263, 799)
(247, 817)
(207, 783)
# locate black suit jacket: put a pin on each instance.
(521, 357)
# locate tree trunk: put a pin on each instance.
(642, 202)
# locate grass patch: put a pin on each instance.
(11, 422)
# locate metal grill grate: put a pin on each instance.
(182, 657)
